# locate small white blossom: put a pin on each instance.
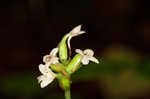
(51, 58)
(47, 76)
(74, 32)
(86, 56)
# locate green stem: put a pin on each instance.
(67, 94)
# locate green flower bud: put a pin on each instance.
(74, 64)
(63, 53)
(57, 67)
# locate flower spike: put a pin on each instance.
(63, 65)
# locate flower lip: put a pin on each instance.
(44, 80)
(47, 76)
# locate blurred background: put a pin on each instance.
(117, 30)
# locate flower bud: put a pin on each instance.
(74, 64)
(62, 47)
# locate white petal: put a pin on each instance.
(40, 78)
(81, 32)
(88, 52)
(54, 60)
(85, 60)
(78, 33)
(51, 75)
(45, 83)
(94, 59)
(79, 51)
(76, 29)
(54, 52)
(44, 69)
(46, 79)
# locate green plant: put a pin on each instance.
(62, 66)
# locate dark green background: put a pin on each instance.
(117, 30)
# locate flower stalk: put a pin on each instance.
(67, 94)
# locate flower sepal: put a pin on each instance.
(57, 67)
(74, 64)
(62, 47)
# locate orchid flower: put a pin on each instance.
(47, 76)
(74, 32)
(86, 56)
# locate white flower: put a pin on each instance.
(51, 58)
(47, 76)
(86, 56)
(74, 32)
